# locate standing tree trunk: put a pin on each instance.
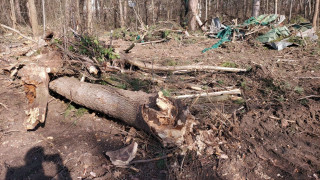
(255, 8)
(89, 16)
(67, 13)
(125, 11)
(193, 12)
(18, 11)
(153, 17)
(33, 17)
(77, 16)
(121, 14)
(13, 15)
(290, 13)
(44, 18)
(315, 15)
(276, 6)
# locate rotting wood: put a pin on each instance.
(168, 118)
(36, 80)
(149, 66)
(220, 93)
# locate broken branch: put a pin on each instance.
(220, 93)
(149, 66)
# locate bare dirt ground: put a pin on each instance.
(273, 134)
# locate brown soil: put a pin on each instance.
(273, 134)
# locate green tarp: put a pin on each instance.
(264, 20)
(224, 37)
(274, 34)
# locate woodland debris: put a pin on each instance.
(220, 93)
(149, 66)
(122, 157)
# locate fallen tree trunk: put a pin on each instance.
(168, 118)
(149, 66)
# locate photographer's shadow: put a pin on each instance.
(33, 168)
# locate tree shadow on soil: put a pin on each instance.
(33, 168)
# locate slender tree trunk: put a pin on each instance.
(121, 14)
(89, 16)
(18, 11)
(125, 11)
(267, 4)
(193, 12)
(315, 15)
(206, 9)
(153, 17)
(276, 6)
(44, 18)
(290, 13)
(77, 15)
(67, 13)
(33, 17)
(13, 15)
(255, 8)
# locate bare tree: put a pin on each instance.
(255, 8)
(89, 16)
(315, 15)
(276, 6)
(13, 15)
(44, 17)
(33, 17)
(121, 14)
(193, 12)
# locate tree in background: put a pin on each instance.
(33, 17)
(193, 12)
(315, 15)
(256, 8)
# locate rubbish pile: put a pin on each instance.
(278, 37)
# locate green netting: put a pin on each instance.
(274, 34)
(264, 19)
(224, 37)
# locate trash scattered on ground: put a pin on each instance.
(122, 157)
(278, 37)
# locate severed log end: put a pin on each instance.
(171, 121)
(35, 80)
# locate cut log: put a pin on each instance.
(35, 80)
(149, 66)
(167, 118)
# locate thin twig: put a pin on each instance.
(4, 106)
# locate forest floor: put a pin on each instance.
(273, 133)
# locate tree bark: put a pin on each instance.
(67, 13)
(44, 18)
(18, 11)
(165, 117)
(121, 14)
(193, 12)
(33, 17)
(89, 16)
(13, 15)
(276, 6)
(117, 103)
(255, 8)
(315, 15)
